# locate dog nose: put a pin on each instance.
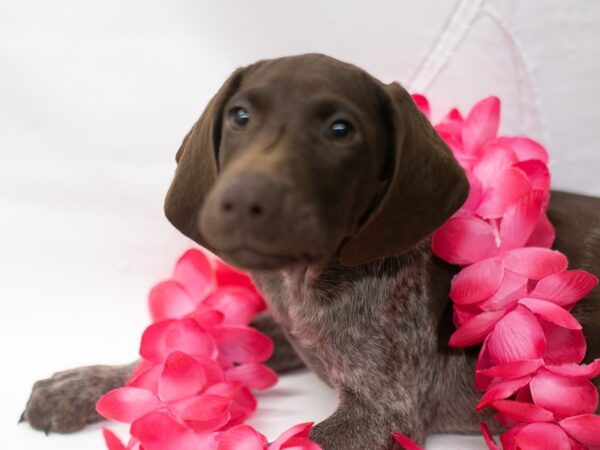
(249, 201)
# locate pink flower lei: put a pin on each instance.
(201, 359)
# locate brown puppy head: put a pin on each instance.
(301, 159)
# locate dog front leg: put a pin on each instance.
(284, 357)
(361, 424)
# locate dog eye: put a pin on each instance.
(240, 116)
(340, 129)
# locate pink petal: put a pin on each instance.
(591, 370)
(481, 125)
(494, 160)
(524, 395)
(181, 377)
(207, 319)
(578, 446)
(112, 441)
(506, 421)
(301, 430)
(243, 344)
(205, 441)
(477, 281)
(152, 346)
(196, 274)
(508, 437)
(487, 436)
(520, 219)
(243, 404)
(405, 442)
(566, 287)
(509, 186)
(301, 444)
(534, 262)
(422, 103)
(237, 305)
(451, 133)
(253, 376)
(537, 172)
(513, 287)
(185, 335)
(450, 129)
(523, 412)
(484, 361)
(543, 233)
(454, 115)
(242, 437)
(551, 312)
(547, 436)
(584, 428)
(464, 313)
(513, 369)
(475, 194)
(127, 404)
(204, 412)
(134, 444)
(464, 240)
(225, 361)
(148, 379)
(228, 276)
(525, 148)
(476, 329)
(517, 336)
(141, 367)
(212, 370)
(169, 300)
(501, 391)
(562, 345)
(160, 430)
(563, 396)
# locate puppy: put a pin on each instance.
(325, 184)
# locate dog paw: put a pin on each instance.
(338, 434)
(359, 428)
(66, 402)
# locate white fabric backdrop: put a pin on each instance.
(95, 97)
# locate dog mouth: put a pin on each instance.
(251, 259)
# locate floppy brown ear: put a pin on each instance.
(197, 163)
(426, 188)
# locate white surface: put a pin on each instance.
(96, 96)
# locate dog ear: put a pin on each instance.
(197, 163)
(426, 187)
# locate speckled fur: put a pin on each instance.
(372, 332)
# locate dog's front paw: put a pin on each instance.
(66, 402)
(340, 432)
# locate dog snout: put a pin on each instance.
(244, 211)
(249, 201)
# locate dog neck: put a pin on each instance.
(308, 289)
(322, 307)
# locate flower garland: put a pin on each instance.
(199, 362)
(513, 293)
(201, 359)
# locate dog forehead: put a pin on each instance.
(304, 75)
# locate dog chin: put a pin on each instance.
(249, 259)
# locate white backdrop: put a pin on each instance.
(95, 97)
